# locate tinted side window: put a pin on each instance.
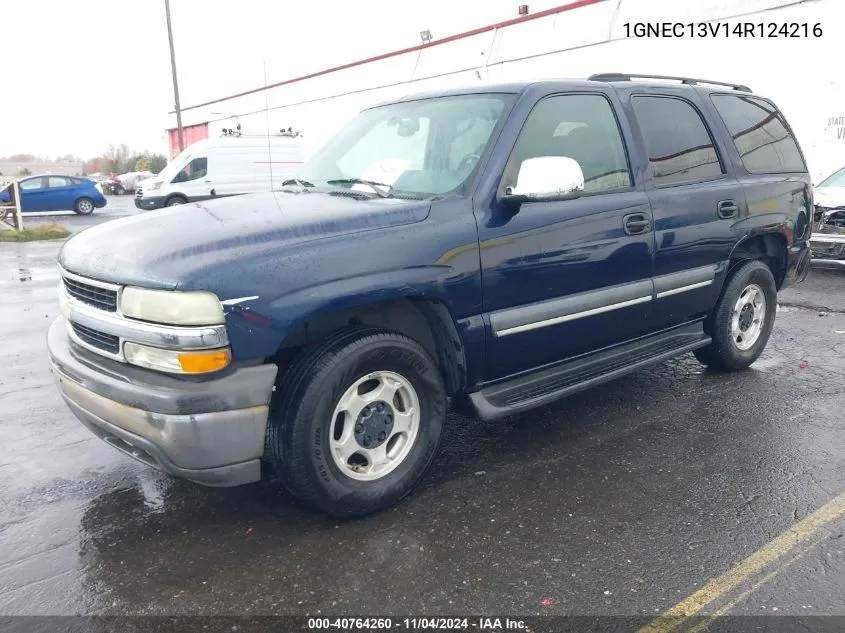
(582, 127)
(679, 146)
(760, 135)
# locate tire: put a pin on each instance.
(172, 201)
(84, 206)
(742, 321)
(120, 191)
(324, 453)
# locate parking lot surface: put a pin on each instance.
(623, 500)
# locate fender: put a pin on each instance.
(258, 325)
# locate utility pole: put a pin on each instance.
(175, 81)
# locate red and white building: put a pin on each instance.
(576, 39)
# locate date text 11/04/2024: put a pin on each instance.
(723, 29)
(417, 624)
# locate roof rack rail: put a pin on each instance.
(685, 80)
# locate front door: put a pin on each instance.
(34, 194)
(565, 278)
(193, 180)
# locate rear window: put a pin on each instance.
(760, 135)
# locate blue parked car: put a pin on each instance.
(59, 193)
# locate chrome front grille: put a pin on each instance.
(96, 296)
(106, 342)
(139, 192)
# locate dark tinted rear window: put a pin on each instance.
(760, 134)
(680, 148)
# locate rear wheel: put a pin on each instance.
(84, 206)
(742, 321)
(356, 421)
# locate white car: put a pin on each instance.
(828, 239)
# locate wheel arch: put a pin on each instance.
(770, 247)
(171, 196)
(426, 320)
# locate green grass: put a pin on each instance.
(42, 231)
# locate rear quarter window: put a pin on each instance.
(760, 135)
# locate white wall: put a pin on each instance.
(802, 75)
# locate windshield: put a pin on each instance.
(426, 148)
(834, 180)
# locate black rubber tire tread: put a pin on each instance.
(305, 386)
(722, 354)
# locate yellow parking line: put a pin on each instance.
(705, 624)
(731, 579)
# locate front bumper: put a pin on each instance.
(150, 203)
(828, 250)
(210, 432)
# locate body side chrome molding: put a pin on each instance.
(585, 304)
(572, 316)
(674, 291)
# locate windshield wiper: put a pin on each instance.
(359, 181)
(296, 181)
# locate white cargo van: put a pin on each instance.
(225, 166)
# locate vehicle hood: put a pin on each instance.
(829, 197)
(163, 248)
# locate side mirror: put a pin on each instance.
(546, 178)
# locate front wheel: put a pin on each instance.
(84, 206)
(742, 321)
(356, 421)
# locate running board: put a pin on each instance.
(547, 385)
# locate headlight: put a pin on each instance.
(171, 307)
(175, 361)
(153, 186)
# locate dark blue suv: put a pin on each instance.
(490, 249)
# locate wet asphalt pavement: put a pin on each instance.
(621, 500)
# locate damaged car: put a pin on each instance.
(828, 239)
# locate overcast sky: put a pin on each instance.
(93, 72)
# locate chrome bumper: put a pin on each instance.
(211, 432)
(828, 250)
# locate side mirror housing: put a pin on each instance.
(546, 179)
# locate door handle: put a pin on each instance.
(636, 223)
(727, 209)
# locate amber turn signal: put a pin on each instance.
(204, 362)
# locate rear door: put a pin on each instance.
(60, 194)
(696, 200)
(568, 277)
